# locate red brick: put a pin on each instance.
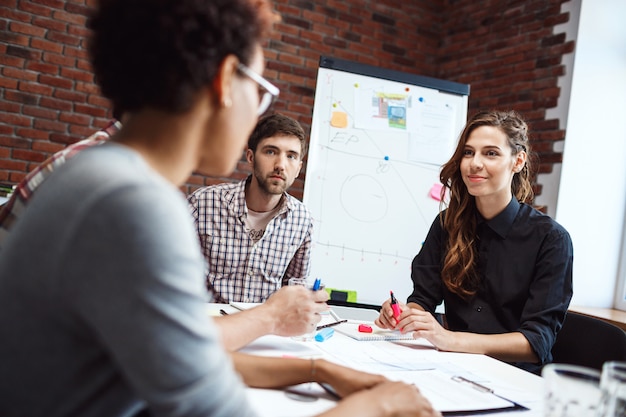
(56, 81)
(9, 107)
(50, 126)
(52, 103)
(84, 65)
(75, 119)
(70, 95)
(81, 131)
(45, 45)
(11, 164)
(98, 101)
(15, 119)
(49, 23)
(75, 52)
(59, 59)
(31, 133)
(10, 4)
(47, 147)
(19, 97)
(77, 75)
(16, 15)
(42, 67)
(91, 110)
(8, 83)
(30, 156)
(8, 38)
(63, 38)
(27, 29)
(6, 129)
(54, 4)
(40, 112)
(35, 88)
(69, 17)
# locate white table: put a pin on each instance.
(507, 381)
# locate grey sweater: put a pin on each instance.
(102, 300)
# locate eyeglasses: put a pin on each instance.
(270, 93)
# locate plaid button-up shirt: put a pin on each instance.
(238, 269)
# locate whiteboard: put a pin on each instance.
(378, 140)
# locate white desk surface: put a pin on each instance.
(507, 381)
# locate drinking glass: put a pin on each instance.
(310, 336)
(613, 388)
(571, 390)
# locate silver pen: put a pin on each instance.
(475, 385)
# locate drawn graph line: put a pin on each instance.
(361, 251)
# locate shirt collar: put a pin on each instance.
(502, 223)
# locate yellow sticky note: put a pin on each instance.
(339, 119)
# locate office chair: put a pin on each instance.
(587, 341)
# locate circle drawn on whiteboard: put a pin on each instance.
(364, 198)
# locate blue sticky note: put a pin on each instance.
(324, 334)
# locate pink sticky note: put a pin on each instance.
(435, 191)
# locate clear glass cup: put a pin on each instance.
(310, 336)
(571, 391)
(613, 388)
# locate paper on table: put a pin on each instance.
(271, 345)
(449, 395)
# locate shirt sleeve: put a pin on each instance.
(426, 270)
(550, 293)
(300, 264)
(144, 303)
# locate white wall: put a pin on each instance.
(592, 191)
(550, 182)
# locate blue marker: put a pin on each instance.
(324, 334)
(316, 284)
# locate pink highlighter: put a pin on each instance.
(395, 306)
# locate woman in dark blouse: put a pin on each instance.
(502, 268)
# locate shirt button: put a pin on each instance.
(479, 309)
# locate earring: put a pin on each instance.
(227, 102)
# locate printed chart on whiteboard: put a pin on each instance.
(378, 140)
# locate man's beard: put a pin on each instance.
(265, 184)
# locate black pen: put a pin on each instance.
(330, 324)
(223, 313)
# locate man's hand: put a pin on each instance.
(294, 309)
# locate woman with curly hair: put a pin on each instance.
(102, 300)
(502, 268)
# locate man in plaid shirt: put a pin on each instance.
(253, 234)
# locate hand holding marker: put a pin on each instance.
(395, 306)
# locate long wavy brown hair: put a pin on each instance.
(459, 272)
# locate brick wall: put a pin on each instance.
(504, 49)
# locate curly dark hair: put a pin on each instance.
(159, 53)
(277, 124)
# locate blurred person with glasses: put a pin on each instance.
(103, 306)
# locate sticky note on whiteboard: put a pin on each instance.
(339, 119)
(435, 191)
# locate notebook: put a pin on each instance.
(352, 329)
